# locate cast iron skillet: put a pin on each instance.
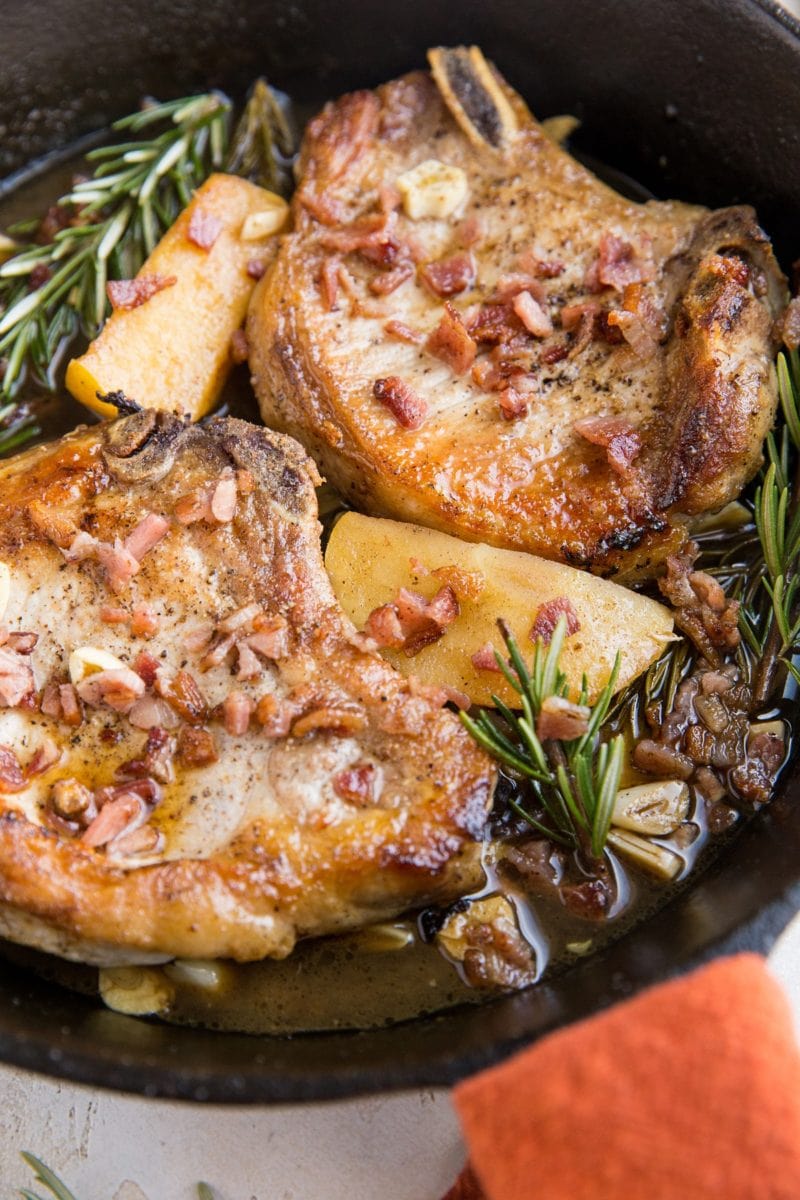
(698, 100)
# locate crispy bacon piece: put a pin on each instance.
(406, 406)
(547, 617)
(22, 643)
(449, 276)
(144, 622)
(271, 638)
(402, 332)
(389, 281)
(513, 404)
(561, 720)
(383, 626)
(702, 610)
(111, 614)
(130, 293)
(484, 658)
(239, 346)
(204, 228)
(617, 436)
(146, 667)
(117, 816)
(342, 719)
(635, 330)
(256, 268)
(71, 711)
(118, 689)
(196, 747)
(237, 708)
(618, 263)
(494, 323)
(467, 585)
(356, 785)
(508, 287)
(248, 664)
(16, 678)
(192, 507)
(329, 282)
(411, 621)
(275, 716)
(182, 692)
(451, 342)
(72, 800)
(223, 500)
(12, 777)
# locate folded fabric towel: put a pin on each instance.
(689, 1091)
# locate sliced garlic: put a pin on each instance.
(655, 808)
(135, 991)
(384, 938)
(209, 974)
(269, 220)
(5, 588)
(8, 247)
(776, 728)
(88, 660)
(658, 860)
(432, 189)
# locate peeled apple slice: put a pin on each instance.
(369, 559)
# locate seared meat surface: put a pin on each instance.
(240, 772)
(523, 357)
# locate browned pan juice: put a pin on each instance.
(369, 978)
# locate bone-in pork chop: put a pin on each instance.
(197, 756)
(467, 329)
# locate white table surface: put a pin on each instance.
(402, 1147)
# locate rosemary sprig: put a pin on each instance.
(575, 782)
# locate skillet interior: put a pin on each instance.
(697, 101)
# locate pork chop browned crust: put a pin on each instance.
(245, 773)
(548, 367)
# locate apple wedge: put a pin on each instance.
(369, 559)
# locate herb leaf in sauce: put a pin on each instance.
(574, 780)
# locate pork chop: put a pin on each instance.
(239, 772)
(469, 330)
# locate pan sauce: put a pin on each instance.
(369, 978)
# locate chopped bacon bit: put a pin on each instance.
(239, 618)
(115, 817)
(460, 699)
(402, 332)
(329, 282)
(432, 692)
(451, 342)
(467, 585)
(617, 264)
(236, 710)
(547, 616)
(702, 611)
(239, 346)
(556, 353)
(130, 293)
(535, 318)
(541, 268)
(204, 228)
(118, 689)
(50, 704)
(144, 622)
(245, 482)
(22, 643)
(561, 720)
(82, 546)
(635, 330)
(383, 626)
(146, 667)
(151, 712)
(12, 777)
(159, 751)
(114, 616)
(249, 664)
(418, 567)
(255, 268)
(71, 711)
(197, 640)
(508, 287)
(356, 785)
(223, 500)
(191, 508)
(16, 679)
(513, 404)
(389, 197)
(144, 840)
(271, 638)
(219, 651)
(147, 534)
(336, 719)
(275, 716)
(183, 694)
(389, 281)
(119, 564)
(406, 406)
(196, 747)
(790, 325)
(450, 276)
(617, 436)
(494, 323)
(484, 659)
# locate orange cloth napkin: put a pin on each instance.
(690, 1091)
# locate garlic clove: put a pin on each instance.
(651, 857)
(653, 808)
(135, 991)
(268, 221)
(432, 189)
(88, 660)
